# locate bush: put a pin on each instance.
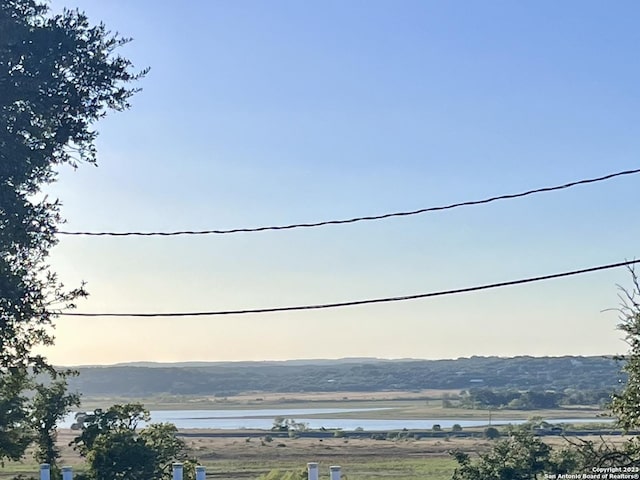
(491, 433)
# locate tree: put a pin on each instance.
(491, 433)
(58, 76)
(50, 405)
(282, 424)
(626, 404)
(116, 450)
(15, 435)
(24, 421)
(520, 456)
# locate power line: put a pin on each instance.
(357, 219)
(360, 302)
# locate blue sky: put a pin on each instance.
(258, 113)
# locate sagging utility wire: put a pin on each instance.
(360, 302)
(357, 219)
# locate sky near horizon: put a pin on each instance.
(269, 113)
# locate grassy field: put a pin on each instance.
(235, 458)
(362, 458)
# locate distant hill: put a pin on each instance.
(228, 378)
(310, 361)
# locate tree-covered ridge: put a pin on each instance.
(531, 373)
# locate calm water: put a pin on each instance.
(263, 419)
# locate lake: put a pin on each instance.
(262, 419)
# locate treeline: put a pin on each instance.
(530, 399)
(518, 373)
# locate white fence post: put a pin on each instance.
(67, 473)
(334, 473)
(177, 471)
(201, 473)
(312, 469)
(45, 471)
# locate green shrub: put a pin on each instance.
(491, 433)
